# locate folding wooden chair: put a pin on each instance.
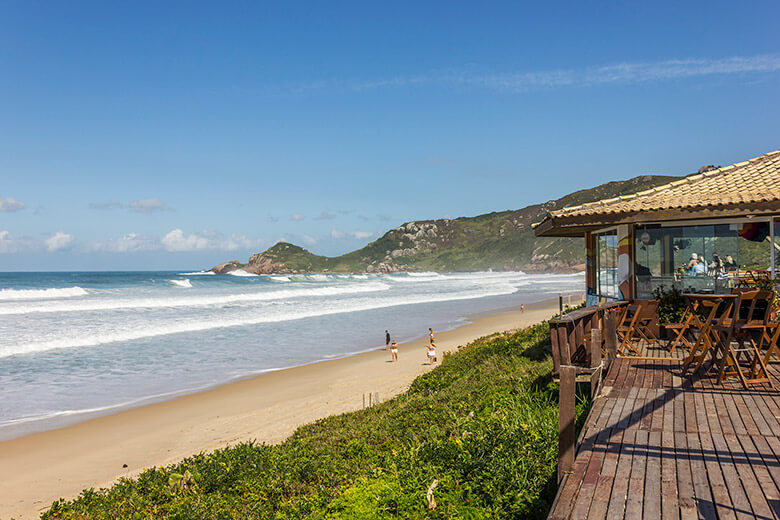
(772, 342)
(627, 331)
(741, 335)
(646, 320)
(680, 329)
(704, 341)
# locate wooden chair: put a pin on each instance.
(773, 348)
(627, 330)
(740, 336)
(646, 319)
(705, 343)
(680, 330)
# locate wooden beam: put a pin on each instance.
(566, 416)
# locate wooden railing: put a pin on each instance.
(578, 341)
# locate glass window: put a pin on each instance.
(708, 258)
(606, 265)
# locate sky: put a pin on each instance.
(177, 135)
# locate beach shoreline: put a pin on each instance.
(59, 463)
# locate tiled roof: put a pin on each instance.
(756, 181)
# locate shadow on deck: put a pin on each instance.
(657, 445)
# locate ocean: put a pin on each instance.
(78, 344)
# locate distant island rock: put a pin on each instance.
(498, 241)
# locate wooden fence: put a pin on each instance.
(578, 341)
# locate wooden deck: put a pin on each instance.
(656, 445)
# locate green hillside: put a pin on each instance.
(499, 241)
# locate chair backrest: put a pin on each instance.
(752, 306)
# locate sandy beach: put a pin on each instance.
(39, 468)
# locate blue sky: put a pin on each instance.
(139, 135)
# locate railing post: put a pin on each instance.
(566, 414)
(595, 361)
(610, 335)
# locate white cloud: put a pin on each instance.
(111, 204)
(59, 240)
(297, 217)
(306, 239)
(626, 72)
(177, 240)
(335, 233)
(130, 243)
(360, 235)
(10, 204)
(10, 244)
(147, 205)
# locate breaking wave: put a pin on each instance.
(35, 294)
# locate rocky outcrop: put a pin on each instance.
(262, 263)
(227, 267)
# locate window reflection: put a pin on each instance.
(607, 263)
(708, 258)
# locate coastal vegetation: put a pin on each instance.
(499, 241)
(476, 437)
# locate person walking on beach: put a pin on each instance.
(522, 308)
(387, 339)
(430, 335)
(431, 353)
(393, 351)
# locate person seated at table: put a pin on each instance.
(730, 264)
(696, 266)
(716, 267)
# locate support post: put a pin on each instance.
(610, 335)
(566, 414)
(595, 361)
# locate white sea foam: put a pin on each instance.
(279, 278)
(199, 273)
(182, 283)
(287, 314)
(35, 294)
(240, 272)
(319, 277)
(193, 301)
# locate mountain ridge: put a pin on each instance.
(501, 240)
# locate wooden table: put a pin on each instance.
(719, 305)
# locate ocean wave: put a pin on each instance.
(182, 283)
(240, 272)
(198, 273)
(194, 301)
(35, 294)
(279, 278)
(425, 274)
(290, 314)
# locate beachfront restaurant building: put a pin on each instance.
(705, 233)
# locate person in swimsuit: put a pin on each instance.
(431, 353)
(387, 339)
(394, 351)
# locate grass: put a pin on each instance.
(482, 425)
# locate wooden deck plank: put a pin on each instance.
(763, 470)
(652, 490)
(704, 501)
(720, 492)
(670, 504)
(756, 497)
(660, 446)
(636, 481)
(603, 491)
(617, 500)
(685, 492)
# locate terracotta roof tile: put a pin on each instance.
(756, 180)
